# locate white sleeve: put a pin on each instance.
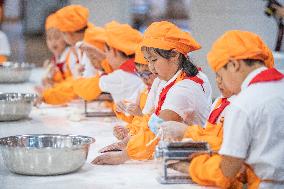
(237, 133)
(112, 83)
(120, 84)
(4, 45)
(89, 69)
(135, 97)
(152, 95)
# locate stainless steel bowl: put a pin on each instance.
(15, 106)
(46, 154)
(15, 72)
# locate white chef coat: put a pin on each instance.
(254, 128)
(187, 96)
(152, 97)
(120, 84)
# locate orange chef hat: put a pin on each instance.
(122, 37)
(72, 18)
(95, 36)
(139, 56)
(51, 22)
(165, 35)
(238, 45)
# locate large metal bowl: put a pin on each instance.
(15, 106)
(46, 154)
(15, 72)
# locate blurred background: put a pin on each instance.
(23, 21)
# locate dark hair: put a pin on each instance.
(121, 53)
(252, 62)
(82, 30)
(184, 62)
(249, 62)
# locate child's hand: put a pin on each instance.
(134, 109)
(79, 69)
(47, 82)
(172, 131)
(120, 107)
(181, 166)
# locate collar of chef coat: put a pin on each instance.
(250, 76)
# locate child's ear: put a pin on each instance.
(234, 65)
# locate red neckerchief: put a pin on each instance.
(59, 65)
(128, 66)
(267, 75)
(165, 90)
(214, 115)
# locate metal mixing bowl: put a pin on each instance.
(15, 106)
(46, 154)
(15, 72)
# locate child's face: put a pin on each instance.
(163, 68)
(145, 74)
(226, 93)
(55, 42)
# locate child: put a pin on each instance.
(120, 41)
(253, 132)
(57, 70)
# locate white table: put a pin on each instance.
(49, 119)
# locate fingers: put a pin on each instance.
(120, 132)
(99, 160)
(112, 147)
(120, 107)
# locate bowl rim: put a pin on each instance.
(91, 140)
(21, 96)
(12, 66)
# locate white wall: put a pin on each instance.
(211, 18)
(103, 11)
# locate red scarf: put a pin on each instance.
(214, 115)
(128, 66)
(165, 90)
(267, 75)
(59, 65)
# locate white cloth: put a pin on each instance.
(152, 97)
(135, 98)
(63, 56)
(187, 96)
(89, 69)
(4, 45)
(253, 128)
(120, 84)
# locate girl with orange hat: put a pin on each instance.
(186, 89)
(56, 70)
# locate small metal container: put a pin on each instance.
(16, 106)
(45, 154)
(15, 72)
